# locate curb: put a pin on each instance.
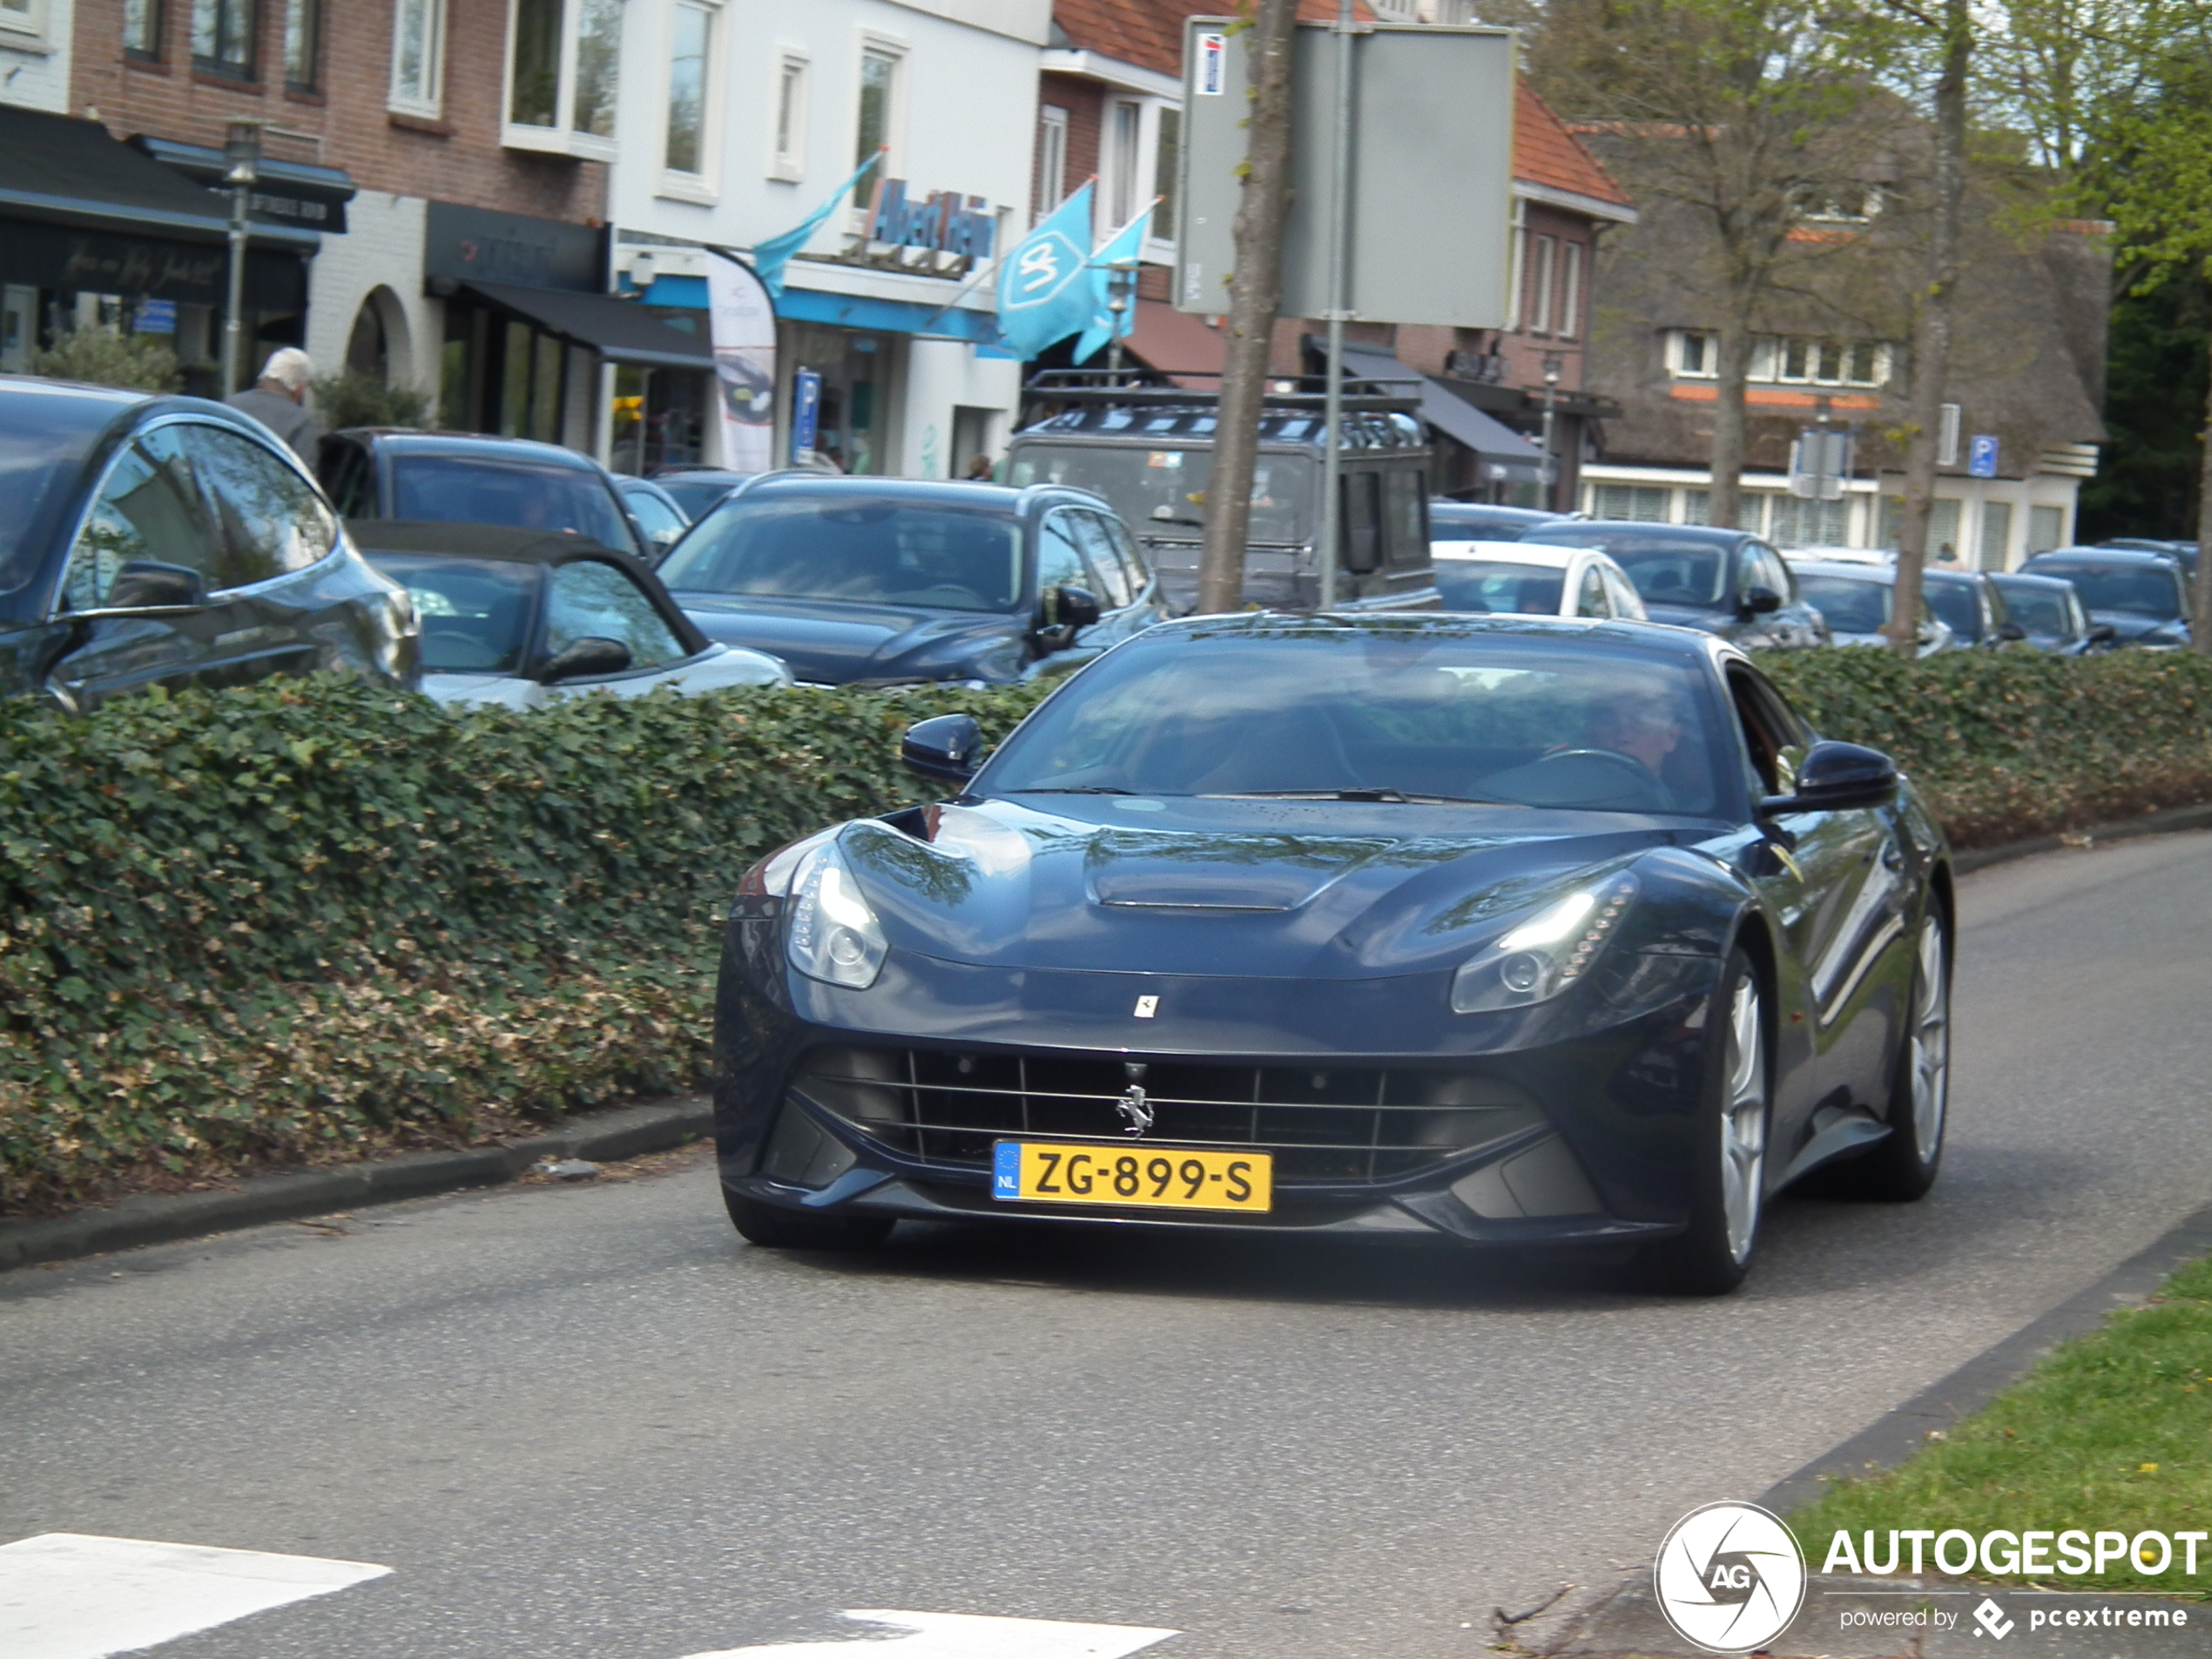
(2159, 823)
(163, 1218)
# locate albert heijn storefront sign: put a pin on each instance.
(943, 223)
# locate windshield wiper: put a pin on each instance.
(1394, 797)
(1074, 789)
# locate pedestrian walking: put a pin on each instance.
(279, 400)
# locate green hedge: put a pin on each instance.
(310, 919)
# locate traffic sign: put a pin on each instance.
(1982, 456)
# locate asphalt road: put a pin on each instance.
(589, 1422)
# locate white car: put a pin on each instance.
(518, 617)
(1532, 579)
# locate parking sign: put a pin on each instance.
(1982, 456)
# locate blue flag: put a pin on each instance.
(1042, 295)
(1125, 247)
(769, 257)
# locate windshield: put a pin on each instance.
(45, 439)
(1317, 712)
(524, 494)
(847, 546)
(2036, 609)
(1492, 584)
(2152, 591)
(1162, 493)
(1957, 605)
(1667, 570)
(1451, 521)
(476, 613)
(1850, 605)
(695, 496)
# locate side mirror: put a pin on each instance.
(1837, 776)
(148, 584)
(2103, 634)
(2011, 630)
(587, 659)
(1073, 609)
(949, 747)
(1760, 602)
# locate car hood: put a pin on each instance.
(1722, 622)
(1249, 888)
(2127, 625)
(829, 642)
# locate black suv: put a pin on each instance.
(164, 540)
(886, 579)
(1728, 582)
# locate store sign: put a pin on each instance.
(941, 224)
(474, 245)
(741, 319)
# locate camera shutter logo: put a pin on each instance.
(1730, 1577)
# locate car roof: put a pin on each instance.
(480, 542)
(2126, 558)
(1880, 575)
(937, 492)
(1688, 644)
(1447, 510)
(469, 443)
(1705, 533)
(2006, 578)
(1551, 556)
(75, 391)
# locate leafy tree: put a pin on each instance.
(351, 399)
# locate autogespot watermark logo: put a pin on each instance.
(1730, 1577)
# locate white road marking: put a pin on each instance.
(65, 1595)
(961, 1635)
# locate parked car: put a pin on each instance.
(164, 540)
(2143, 596)
(464, 478)
(1434, 926)
(1530, 579)
(1469, 521)
(1971, 605)
(518, 618)
(2049, 613)
(1728, 582)
(2184, 551)
(1857, 600)
(696, 489)
(655, 512)
(880, 579)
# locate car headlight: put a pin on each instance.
(834, 935)
(1546, 954)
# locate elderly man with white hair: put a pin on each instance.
(279, 402)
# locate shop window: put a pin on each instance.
(1166, 155)
(142, 29)
(222, 37)
(303, 44)
(787, 142)
(690, 60)
(418, 56)
(564, 59)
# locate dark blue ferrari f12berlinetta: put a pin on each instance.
(1509, 931)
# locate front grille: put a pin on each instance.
(1321, 1124)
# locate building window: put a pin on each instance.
(142, 29)
(875, 125)
(302, 44)
(690, 51)
(1943, 525)
(1167, 161)
(222, 37)
(1123, 130)
(1996, 539)
(23, 17)
(1840, 204)
(2046, 529)
(1947, 437)
(787, 143)
(1695, 355)
(1570, 289)
(1542, 260)
(1617, 502)
(564, 56)
(418, 56)
(1517, 263)
(1799, 522)
(1052, 157)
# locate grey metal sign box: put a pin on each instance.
(1432, 171)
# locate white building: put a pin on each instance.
(735, 120)
(34, 53)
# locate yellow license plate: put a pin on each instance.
(1153, 1177)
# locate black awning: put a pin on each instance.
(62, 170)
(285, 193)
(1505, 453)
(621, 330)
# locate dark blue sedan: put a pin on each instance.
(875, 580)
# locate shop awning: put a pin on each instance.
(1175, 342)
(1505, 453)
(619, 330)
(285, 193)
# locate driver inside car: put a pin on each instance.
(1644, 730)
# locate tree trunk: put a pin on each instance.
(1255, 295)
(1725, 505)
(1932, 334)
(2201, 628)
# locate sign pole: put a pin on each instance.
(1340, 251)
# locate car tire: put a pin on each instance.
(1902, 1167)
(1728, 1197)
(773, 1227)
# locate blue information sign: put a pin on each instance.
(805, 411)
(1982, 456)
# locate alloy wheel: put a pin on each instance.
(1743, 1115)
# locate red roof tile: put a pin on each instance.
(1545, 152)
(1149, 33)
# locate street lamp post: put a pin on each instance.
(1551, 461)
(243, 151)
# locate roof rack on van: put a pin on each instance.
(1362, 395)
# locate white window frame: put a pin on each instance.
(1678, 355)
(1052, 159)
(1159, 235)
(1947, 425)
(431, 106)
(1121, 169)
(1516, 262)
(560, 140)
(873, 41)
(789, 67)
(1543, 257)
(30, 22)
(1570, 289)
(701, 186)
